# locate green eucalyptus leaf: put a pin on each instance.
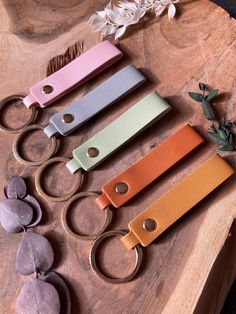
(196, 96)
(202, 86)
(227, 131)
(224, 122)
(208, 110)
(223, 134)
(217, 139)
(213, 93)
(229, 148)
(213, 127)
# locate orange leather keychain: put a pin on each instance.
(165, 211)
(126, 185)
(130, 182)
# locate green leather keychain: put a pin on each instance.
(91, 153)
(143, 114)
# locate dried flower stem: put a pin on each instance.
(115, 18)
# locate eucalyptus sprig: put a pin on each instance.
(222, 133)
(205, 100)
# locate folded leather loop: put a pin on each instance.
(80, 70)
(150, 167)
(143, 114)
(110, 91)
(154, 220)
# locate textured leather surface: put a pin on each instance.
(114, 88)
(87, 65)
(137, 118)
(150, 167)
(176, 202)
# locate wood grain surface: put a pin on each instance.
(191, 267)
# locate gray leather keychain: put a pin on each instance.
(117, 86)
(67, 120)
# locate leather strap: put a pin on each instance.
(149, 168)
(80, 70)
(117, 86)
(176, 202)
(144, 113)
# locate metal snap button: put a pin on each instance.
(121, 188)
(92, 152)
(67, 118)
(149, 224)
(47, 89)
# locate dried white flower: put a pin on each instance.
(171, 11)
(115, 18)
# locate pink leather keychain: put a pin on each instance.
(48, 90)
(80, 70)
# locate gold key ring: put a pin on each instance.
(4, 103)
(95, 264)
(21, 135)
(38, 179)
(80, 236)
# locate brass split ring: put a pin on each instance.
(41, 171)
(21, 135)
(4, 103)
(108, 217)
(95, 264)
